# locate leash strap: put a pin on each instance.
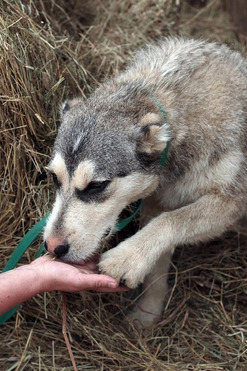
(124, 222)
(24, 244)
(165, 151)
(21, 248)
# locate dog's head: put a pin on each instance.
(106, 156)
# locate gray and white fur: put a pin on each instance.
(107, 155)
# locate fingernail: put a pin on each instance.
(112, 284)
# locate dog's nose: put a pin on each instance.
(56, 246)
(61, 250)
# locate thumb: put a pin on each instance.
(97, 281)
(100, 282)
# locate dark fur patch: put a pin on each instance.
(148, 161)
(180, 161)
(92, 193)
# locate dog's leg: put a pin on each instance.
(148, 308)
(206, 218)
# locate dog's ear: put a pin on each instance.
(69, 104)
(153, 134)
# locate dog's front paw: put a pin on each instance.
(142, 319)
(124, 264)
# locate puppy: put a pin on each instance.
(188, 94)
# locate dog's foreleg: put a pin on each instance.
(149, 307)
(206, 218)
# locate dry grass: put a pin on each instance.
(50, 50)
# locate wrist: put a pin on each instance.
(17, 286)
(45, 280)
(33, 278)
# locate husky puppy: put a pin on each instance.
(107, 155)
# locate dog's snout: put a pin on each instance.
(61, 250)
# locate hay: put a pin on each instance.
(51, 50)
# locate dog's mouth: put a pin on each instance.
(91, 262)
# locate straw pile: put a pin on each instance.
(52, 50)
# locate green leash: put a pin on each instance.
(123, 223)
(37, 229)
(21, 248)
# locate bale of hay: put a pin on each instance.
(52, 50)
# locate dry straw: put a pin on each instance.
(49, 51)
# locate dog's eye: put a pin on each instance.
(96, 187)
(55, 180)
(92, 188)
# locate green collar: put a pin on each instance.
(124, 222)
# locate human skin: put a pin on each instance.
(46, 274)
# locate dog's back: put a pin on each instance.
(203, 90)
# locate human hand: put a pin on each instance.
(58, 275)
